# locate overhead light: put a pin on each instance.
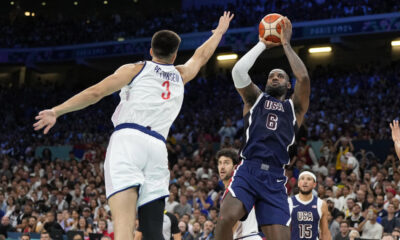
(135, 1)
(76, 3)
(27, 13)
(105, 2)
(12, 3)
(224, 57)
(43, 3)
(33, 14)
(395, 43)
(120, 39)
(320, 50)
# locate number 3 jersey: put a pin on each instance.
(269, 131)
(305, 218)
(152, 99)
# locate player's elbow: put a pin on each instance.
(238, 69)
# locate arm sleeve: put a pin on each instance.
(174, 223)
(240, 72)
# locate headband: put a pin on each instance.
(308, 172)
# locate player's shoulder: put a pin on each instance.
(132, 66)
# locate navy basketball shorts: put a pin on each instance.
(259, 185)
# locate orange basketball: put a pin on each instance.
(269, 27)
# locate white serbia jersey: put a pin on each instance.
(248, 229)
(152, 99)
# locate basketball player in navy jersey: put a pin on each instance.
(309, 213)
(136, 165)
(270, 123)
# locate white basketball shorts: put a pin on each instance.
(136, 159)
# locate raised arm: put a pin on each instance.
(202, 54)
(241, 78)
(301, 96)
(47, 118)
(396, 136)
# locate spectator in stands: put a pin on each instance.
(369, 227)
(207, 233)
(227, 131)
(170, 203)
(25, 236)
(77, 237)
(344, 231)
(5, 226)
(334, 227)
(185, 234)
(196, 230)
(50, 224)
(389, 222)
(183, 207)
(102, 228)
(355, 218)
(204, 202)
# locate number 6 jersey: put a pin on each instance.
(152, 99)
(305, 218)
(269, 131)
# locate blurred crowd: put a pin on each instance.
(20, 31)
(39, 191)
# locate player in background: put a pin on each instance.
(136, 166)
(270, 123)
(309, 213)
(227, 161)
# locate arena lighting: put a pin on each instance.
(27, 13)
(12, 3)
(320, 50)
(76, 3)
(105, 2)
(395, 43)
(224, 57)
(43, 3)
(120, 39)
(33, 14)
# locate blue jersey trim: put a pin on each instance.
(144, 65)
(164, 64)
(124, 189)
(140, 128)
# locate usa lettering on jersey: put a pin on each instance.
(305, 216)
(271, 105)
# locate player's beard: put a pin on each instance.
(277, 91)
(305, 192)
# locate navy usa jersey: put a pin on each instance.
(269, 131)
(305, 218)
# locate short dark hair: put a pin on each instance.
(165, 43)
(344, 221)
(230, 153)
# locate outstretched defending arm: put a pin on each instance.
(301, 96)
(47, 118)
(241, 78)
(202, 54)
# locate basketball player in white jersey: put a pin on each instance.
(136, 166)
(309, 213)
(227, 162)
